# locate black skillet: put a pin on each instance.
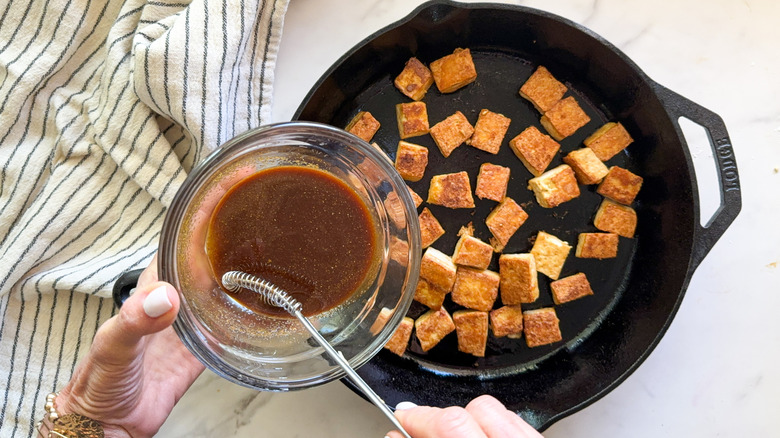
(605, 336)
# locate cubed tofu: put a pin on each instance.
(542, 89)
(555, 186)
(620, 185)
(400, 339)
(541, 327)
(535, 149)
(451, 190)
(489, 131)
(395, 209)
(438, 269)
(428, 295)
(609, 140)
(550, 254)
(363, 125)
(504, 221)
(432, 327)
(471, 327)
(379, 148)
(451, 133)
(507, 321)
(475, 288)
(586, 165)
(597, 246)
(430, 228)
(412, 119)
(454, 71)
(564, 118)
(399, 251)
(414, 80)
(411, 160)
(492, 181)
(470, 251)
(381, 320)
(415, 197)
(570, 288)
(519, 283)
(616, 218)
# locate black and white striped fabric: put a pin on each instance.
(104, 107)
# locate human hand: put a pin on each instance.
(137, 368)
(483, 417)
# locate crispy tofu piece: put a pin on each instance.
(451, 133)
(415, 197)
(432, 327)
(489, 131)
(541, 327)
(395, 209)
(570, 288)
(454, 71)
(364, 125)
(620, 185)
(412, 119)
(381, 320)
(597, 246)
(586, 165)
(492, 181)
(504, 221)
(414, 80)
(470, 251)
(400, 339)
(555, 186)
(616, 218)
(399, 251)
(430, 228)
(471, 327)
(608, 140)
(550, 254)
(519, 283)
(379, 148)
(535, 149)
(427, 294)
(438, 269)
(451, 190)
(507, 321)
(564, 118)
(411, 160)
(475, 288)
(542, 89)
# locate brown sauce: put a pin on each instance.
(300, 228)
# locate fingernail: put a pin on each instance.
(157, 302)
(404, 405)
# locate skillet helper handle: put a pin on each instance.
(124, 286)
(730, 190)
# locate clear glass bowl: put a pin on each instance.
(276, 354)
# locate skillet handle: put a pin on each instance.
(124, 286)
(730, 192)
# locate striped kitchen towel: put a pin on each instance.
(105, 105)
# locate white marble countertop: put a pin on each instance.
(714, 373)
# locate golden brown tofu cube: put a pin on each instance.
(430, 228)
(492, 181)
(414, 80)
(415, 197)
(507, 321)
(400, 339)
(489, 131)
(451, 190)
(454, 71)
(555, 186)
(451, 133)
(470, 251)
(475, 288)
(608, 140)
(564, 118)
(620, 185)
(432, 327)
(550, 254)
(412, 119)
(535, 149)
(541, 327)
(519, 283)
(504, 221)
(597, 246)
(395, 209)
(411, 160)
(616, 218)
(586, 165)
(379, 148)
(399, 251)
(570, 288)
(363, 125)
(429, 295)
(542, 89)
(438, 269)
(471, 327)
(381, 320)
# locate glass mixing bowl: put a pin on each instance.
(272, 353)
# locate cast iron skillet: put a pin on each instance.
(607, 335)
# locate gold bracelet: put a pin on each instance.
(55, 425)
